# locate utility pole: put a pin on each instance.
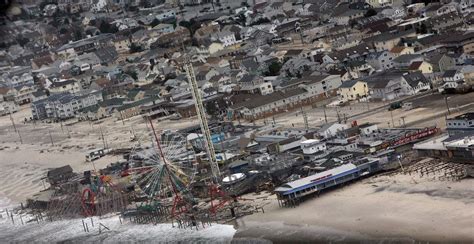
(13, 121)
(447, 105)
(19, 135)
(103, 139)
(51, 138)
(338, 116)
(305, 119)
(367, 97)
(121, 117)
(325, 116)
(391, 115)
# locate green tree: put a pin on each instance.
(106, 27)
(191, 25)
(132, 73)
(273, 69)
(370, 12)
(155, 22)
(135, 48)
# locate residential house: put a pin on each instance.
(292, 25)
(70, 86)
(320, 86)
(256, 106)
(227, 38)
(389, 40)
(205, 32)
(7, 107)
(128, 110)
(102, 110)
(440, 61)
(63, 105)
(445, 23)
(180, 36)
(417, 82)
(38, 95)
(468, 73)
(379, 3)
(388, 85)
(344, 17)
(164, 28)
(254, 84)
(24, 94)
(122, 44)
(359, 52)
(452, 79)
(359, 69)
(84, 45)
(423, 66)
(401, 50)
(40, 62)
(437, 9)
(260, 37)
(352, 90)
(404, 61)
(381, 60)
(166, 15)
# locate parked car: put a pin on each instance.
(395, 105)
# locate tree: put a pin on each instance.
(77, 34)
(242, 19)
(63, 31)
(273, 69)
(191, 25)
(92, 22)
(106, 27)
(132, 73)
(22, 41)
(155, 22)
(260, 21)
(370, 12)
(423, 29)
(135, 48)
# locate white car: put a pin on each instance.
(336, 103)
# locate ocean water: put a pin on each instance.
(72, 231)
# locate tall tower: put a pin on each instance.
(203, 121)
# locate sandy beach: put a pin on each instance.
(382, 208)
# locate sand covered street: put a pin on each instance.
(43, 146)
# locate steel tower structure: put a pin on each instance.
(202, 120)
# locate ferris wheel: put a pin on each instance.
(163, 167)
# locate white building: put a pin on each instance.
(330, 130)
(8, 107)
(313, 146)
(227, 38)
(64, 105)
(368, 129)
